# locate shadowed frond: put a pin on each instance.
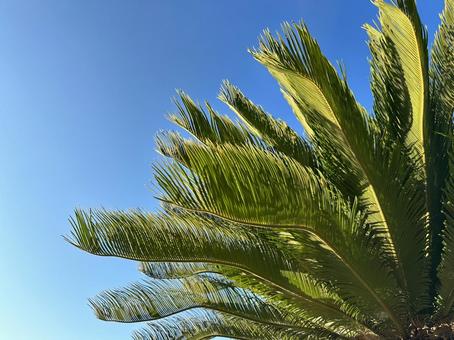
(160, 298)
(154, 238)
(175, 270)
(206, 324)
(304, 299)
(155, 299)
(440, 124)
(445, 300)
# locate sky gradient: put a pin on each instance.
(84, 87)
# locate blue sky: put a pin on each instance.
(84, 87)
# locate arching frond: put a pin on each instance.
(312, 301)
(275, 132)
(343, 133)
(160, 298)
(211, 126)
(445, 301)
(175, 270)
(392, 105)
(154, 299)
(255, 187)
(440, 125)
(189, 239)
(206, 324)
(178, 238)
(402, 26)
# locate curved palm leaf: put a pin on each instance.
(206, 324)
(102, 233)
(275, 132)
(160, 298)
(441, 110)
(279, 193)
(209, 126)
(340, 123)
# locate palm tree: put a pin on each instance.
(347, 232)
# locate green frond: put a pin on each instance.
(343, 133)
(176, 270)
(160, 298)
(211, 126)
(179, 238)
(206, 324)
(191, 239)
(392, 105)
(440, 126)
(315, 303)
(445, 299)
(402, 26)
(155, 299)
(275, 132)
(265, 190)
(244, 184)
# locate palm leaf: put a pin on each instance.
(155, 299)
(402, 26)
(311, 301)
(343, 131)
(103, 233)
(392, 105)
(252, 186)
(210, 126)
(440, 125)
(175, 270)
(206, 324)
(275, 132)
(177, 238)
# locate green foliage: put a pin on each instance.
(345, 232)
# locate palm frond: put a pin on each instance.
(154, 299)
(177, 238)
(392, 105)
(402, 26)
(208, 126)
(251, 186)
(275, 132)
(440, 126)
(296, 61)
(206, 324)
(344, 135)
(191, 239)
(175, 270)
(311, 301)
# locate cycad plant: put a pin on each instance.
(347, 232)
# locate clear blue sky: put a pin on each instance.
(84, 87)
